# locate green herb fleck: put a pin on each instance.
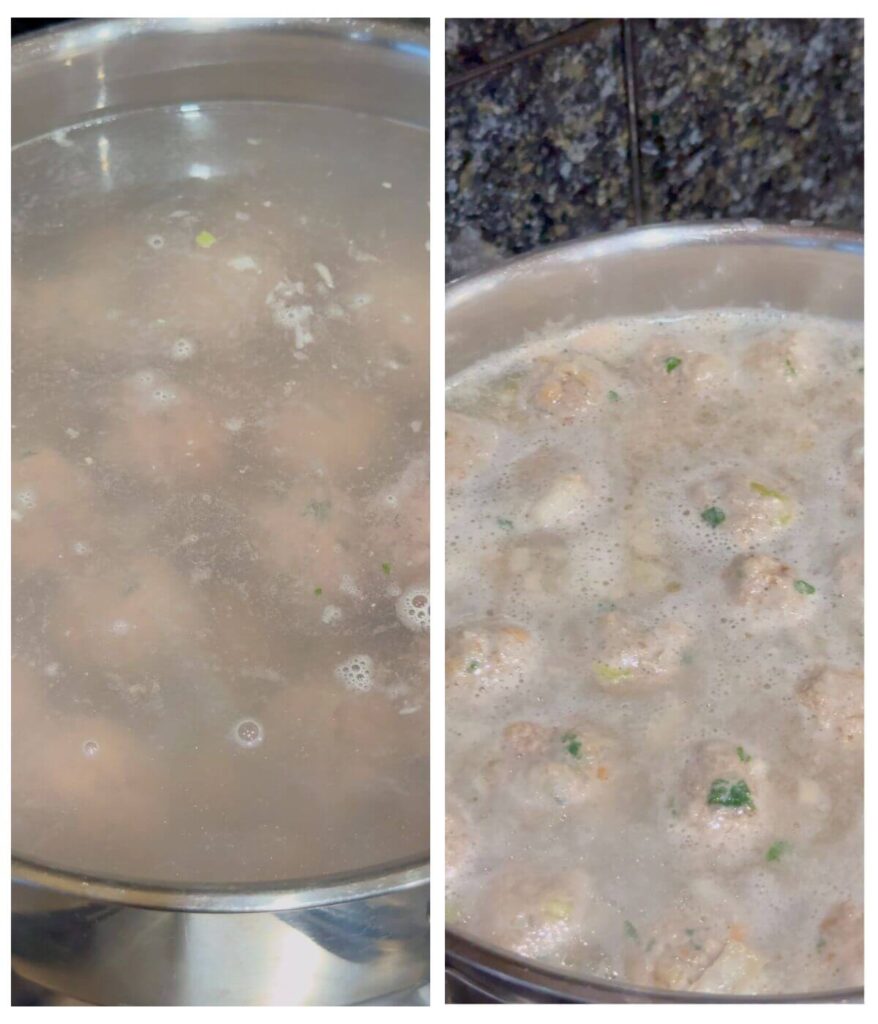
(204, 239)
(743, 755)
(610, 673)
(573, 744)
(713, 516)
(385, 568)
(631, 931)
(504, 524)
(672, 363)
(690, 932)
(766, 492)
(613, 396)
(730, 794)
(804, 587)
(777, 850)
(473, 666)
(318, 591)
(318, 509)
(790, 369)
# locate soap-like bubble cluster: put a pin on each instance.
(413, 609)
(357, 673)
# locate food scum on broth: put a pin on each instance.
(220, 497)
(654, 652)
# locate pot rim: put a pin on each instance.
(465, 951)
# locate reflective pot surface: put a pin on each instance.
(355, 939)
(666, 268)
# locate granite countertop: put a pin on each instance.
(734, 118)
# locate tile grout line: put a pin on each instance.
(577, 34)
(629, 56)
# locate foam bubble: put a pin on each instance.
(248, 733)
(413, 609)
(91, 748)
(155, 242)
(182, 349)
(357, 673)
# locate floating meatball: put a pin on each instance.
(747, 509)
(766, 586)
(675, 368)
(565, 386)
(834, 699)
(52, 512)
(632, 652)
(794, 357)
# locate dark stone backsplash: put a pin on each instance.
(735, 118)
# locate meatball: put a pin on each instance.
(537, 565)
(840, 945)
(834, 699)
(52, 514)
(565, 386)
(722, 802)
(767, 587)
(540, 916)
(336, 432)
(470, 444)
(793, 357)
(309, 534)
(563, 503)
(125, 616)
(752, 512)
(546, 767)
(698, 957)
(632, 652)
(669, 366)
(163, 433)
(486, 660)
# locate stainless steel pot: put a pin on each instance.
(353, 939)
(634, 273)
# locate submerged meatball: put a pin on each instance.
(633, 652)
(722, 802)
(696, 956)
(52, 513)
(840, 945)
(469, 445)
(752, 512)
(125, 616)
(486, 660)
(535, 915)
(163, 432)
(336, 432)
(834, 699)
(309, 535)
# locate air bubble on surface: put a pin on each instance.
(182, 349)
(331, 615)
(26, 498)
(91, 748)
(248, 733)
(120, 627)
(155, 242)
(413, 609)
(357, 673)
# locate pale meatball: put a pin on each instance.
(676, 369)
(697, 956)
(771, 590)
(536, 915)
(125, 616)
(633, 652)
(309, 535)
(53, 519)
(337, 431)
(794, 357)
(163, 433)
(833, 698)
(562, 504)
(487, 660)
(565, 386)
(544, 767)
(470, 443)
(722, 803)
(840, 945)
(751, 510)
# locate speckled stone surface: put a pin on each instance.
(752, 119)
(538, 152)
(471, 42)
(738, 118)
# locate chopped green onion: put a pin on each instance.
(790, 369)
(777, 850)
(573, 744)
(204, 239)
(730, 794)
(631, 931)
(672, 363)
(473, 666)
(505, 524)
(713, 516)
(743, 755)
(611, 673)
(385, 568)
(613, 396)
(804, 587)
(318, 591)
